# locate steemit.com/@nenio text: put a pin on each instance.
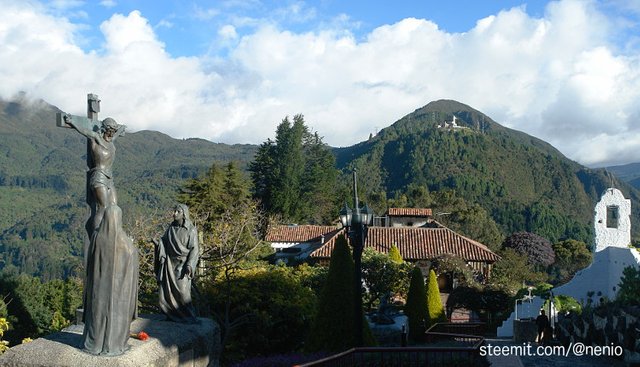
(573, 349)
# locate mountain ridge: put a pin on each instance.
(523, 182)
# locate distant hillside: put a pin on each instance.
(42, 182)
(525, 183)
(629, 173)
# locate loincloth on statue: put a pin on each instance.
(100, 178)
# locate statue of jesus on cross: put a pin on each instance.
(110, 258)
(101, 151)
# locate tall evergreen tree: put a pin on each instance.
(333, 327)
(335, 306)
(416, 306)
(295, 175)
(435, 309)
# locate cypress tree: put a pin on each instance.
(332, 329)
(435, 309)
(416, 306)
(394, 254)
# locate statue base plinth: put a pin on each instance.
(170, 344)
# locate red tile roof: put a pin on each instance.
(418, 244)
(409, 212)
(303, 233)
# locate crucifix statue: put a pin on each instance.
(100, 135)
(110, 259)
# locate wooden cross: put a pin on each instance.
(90, 122)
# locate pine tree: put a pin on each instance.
(394, 254)
(416, 306)
(295, 175)
(435, 309)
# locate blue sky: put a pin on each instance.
(186, 27)
(566, 71)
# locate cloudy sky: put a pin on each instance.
(565, 71)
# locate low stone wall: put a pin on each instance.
(605, 326)
(170, 344)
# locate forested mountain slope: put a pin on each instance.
(525, 183)
(42, 183)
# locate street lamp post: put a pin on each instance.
(356, 222)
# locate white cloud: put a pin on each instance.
(228, 32)
(205, 14)
(108, 3)
(556, 77)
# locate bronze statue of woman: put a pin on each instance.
(176, 258)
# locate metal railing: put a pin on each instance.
(408, 356)
(468, 328)
(447, 349)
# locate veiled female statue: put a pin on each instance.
(111, 287)
(175, 262)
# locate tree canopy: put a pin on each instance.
(295, 175)
(538, 249)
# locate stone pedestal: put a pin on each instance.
(390, 335)
(525, 330)
(170, 344)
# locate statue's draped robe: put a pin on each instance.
(111, 287)
(179, 248)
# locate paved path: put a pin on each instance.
(546, 361)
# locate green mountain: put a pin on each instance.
(524, 183)
(628, 172)
(42, 183)
(521, 181)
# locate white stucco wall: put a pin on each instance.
(616, 237)
(612, 253)
(602, 277)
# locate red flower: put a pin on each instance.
(140, 336)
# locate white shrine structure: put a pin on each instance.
(612, 253)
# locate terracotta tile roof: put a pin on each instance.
(418, 244)
(409, 212)
(303, 233)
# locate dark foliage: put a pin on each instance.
(491, 303)
(37, 308)
(629, 293)
(274, 311)
(332, 329)
(571, 256)
(538, 250)
(416, 307)
(295, 175)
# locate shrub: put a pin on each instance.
(629, 293)
(436, 311)
(382, 275)
(271, 309)
(394, 254)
